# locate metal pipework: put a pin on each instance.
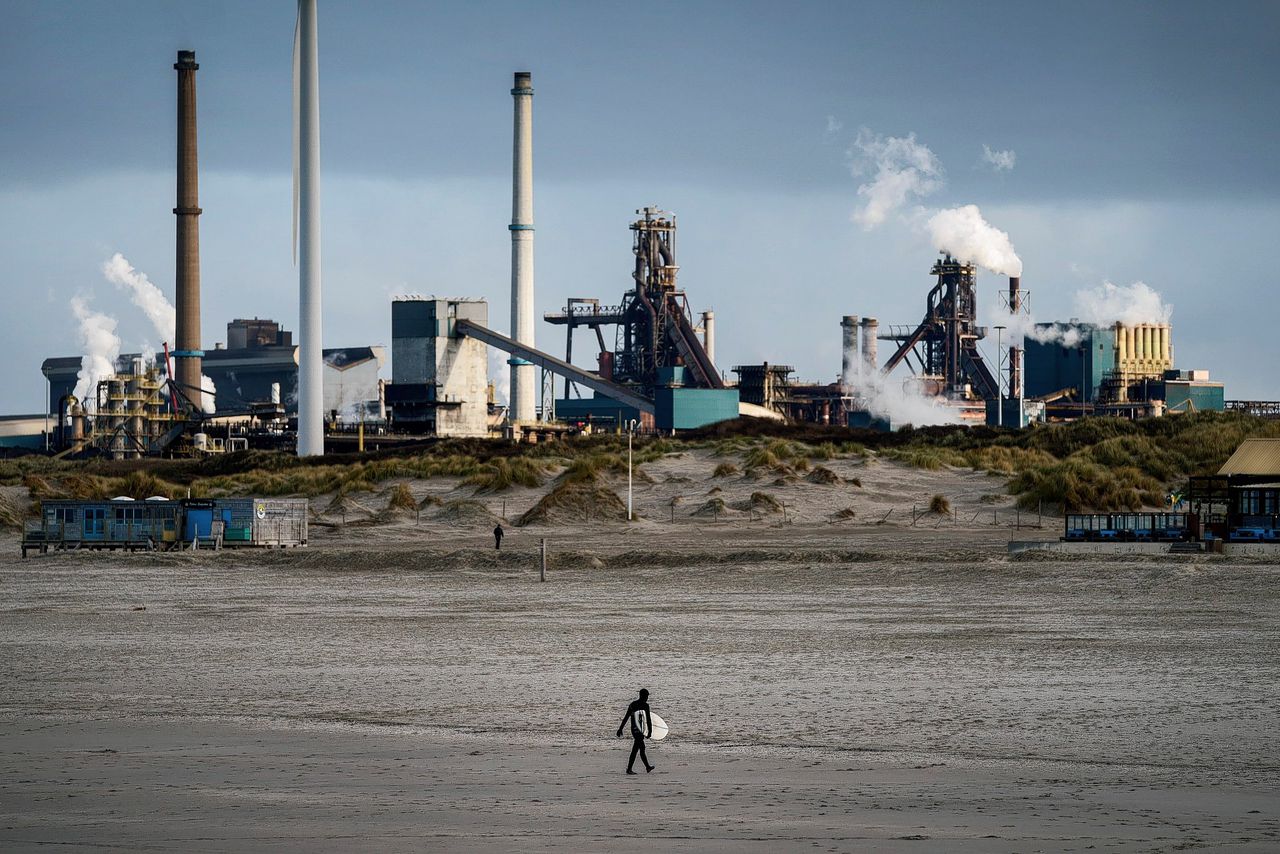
(848, 349)
(187, 275)
(522, 321)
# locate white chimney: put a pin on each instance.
(522, 375)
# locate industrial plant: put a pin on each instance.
(654, 367)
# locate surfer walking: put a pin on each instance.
(641, 728)
(497, 537)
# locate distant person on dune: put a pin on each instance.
(641, 728)
(497, 537)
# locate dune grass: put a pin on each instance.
(402, 498)
(577, 499)
(1094, 464)
(502, 473)
(823, 475)
(725, 469)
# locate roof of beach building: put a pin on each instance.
(1254, 456)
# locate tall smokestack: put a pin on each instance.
(307, 158)
(1015, 351)
(709, 335)
(522, 379)
(187, 350)
(870, 328)
(848, 349)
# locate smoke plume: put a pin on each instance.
(903, 168)
(156, 306)
(1104, 306)
(208, 395)
(901, 402)
(1128, 304)
(968, 237)
(144, 294)
(499, 375)
(101, 348)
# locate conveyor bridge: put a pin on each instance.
(546, 361)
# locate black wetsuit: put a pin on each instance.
(638, 736)
(497, 537)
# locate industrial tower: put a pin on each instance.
(945, 344)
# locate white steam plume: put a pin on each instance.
(144, 294)
(1103, 306)
(101, 348)
(156, 306)
(499, 375)
(901, 402)
(1022, 327)
(903, 168)
(1127, 304)
(999, 161)
(208, 395)
(968, 237)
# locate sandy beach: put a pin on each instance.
(883, 689)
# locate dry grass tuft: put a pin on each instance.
(502, 473)
(11, 514)
(402, 498)
(763, 502)
(725, 470)
(576, 500)
(823, 475)
(467, 513)
(710, 507)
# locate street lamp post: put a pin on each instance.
(999, 389)
(631, 430)
(1082, 378)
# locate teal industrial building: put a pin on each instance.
(1068, 356)
(1117, 370)
(675, 406)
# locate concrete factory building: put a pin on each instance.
(439, 379)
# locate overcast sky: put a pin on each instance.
(1143, 141)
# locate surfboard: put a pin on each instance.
(660, 728)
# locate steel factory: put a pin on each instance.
(654, 365)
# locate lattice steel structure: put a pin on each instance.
(655, 327)
(944, 347)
